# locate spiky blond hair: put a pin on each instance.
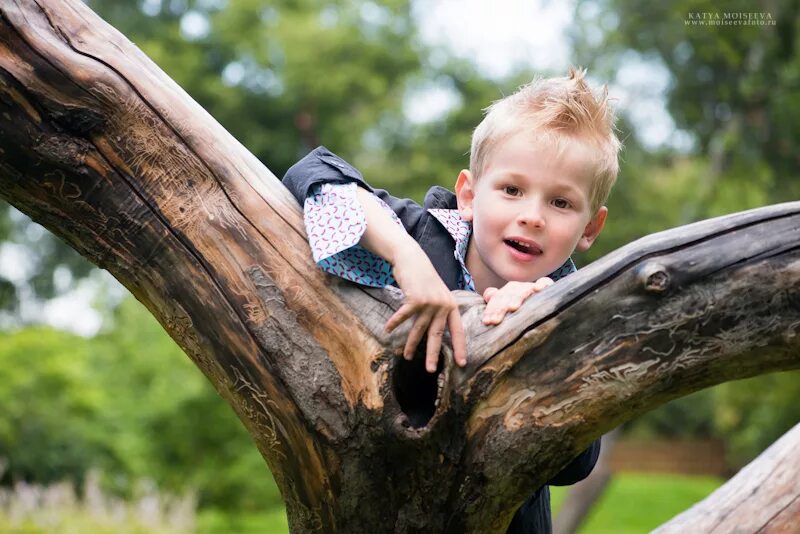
(558, 110)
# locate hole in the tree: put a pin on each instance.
(416, 390)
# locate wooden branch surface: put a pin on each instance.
(670, 314)
(101, 147)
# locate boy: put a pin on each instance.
(542, 163)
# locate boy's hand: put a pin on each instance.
(433, 307)
(427, 297)
(509, 298)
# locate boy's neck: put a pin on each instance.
(482, 278)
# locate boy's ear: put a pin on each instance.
(465, 194)
(592, 230)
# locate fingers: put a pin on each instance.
(431, 319)
(405, 312)
(457, 337)
(542, 283)
(489, 293)
(415, 335)
(435, 334)
(509, 298)
(496, 313)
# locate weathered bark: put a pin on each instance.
(762, 497)
(102, 148)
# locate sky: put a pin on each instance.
(497, 35)
(500, 34)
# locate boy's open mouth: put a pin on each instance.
(522, 247)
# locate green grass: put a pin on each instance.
(215, 522)
(633, 503)
(638, 502)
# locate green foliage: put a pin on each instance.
(752, 414)
(283, 76)
(686, 417)
(733, 88)
(128, 402)
(51, 406)
(169, 423)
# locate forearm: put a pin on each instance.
(428, 301)
(382, 236)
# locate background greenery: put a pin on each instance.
(286, 75)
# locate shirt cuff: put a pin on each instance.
(335, 222)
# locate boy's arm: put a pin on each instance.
(380, 235)
(321, 166)
(427, 298)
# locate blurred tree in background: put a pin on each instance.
(284, 76)
(281, 76)
(128, 403)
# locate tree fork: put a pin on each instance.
(102, 148)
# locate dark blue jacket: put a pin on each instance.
(322, 166)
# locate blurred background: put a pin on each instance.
(94, 434)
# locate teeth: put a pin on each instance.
(522, 245)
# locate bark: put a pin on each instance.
(102, 148)
(762, 497)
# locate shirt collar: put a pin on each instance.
(460, 230)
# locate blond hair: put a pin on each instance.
(560, 110)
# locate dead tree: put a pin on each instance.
(102, 148)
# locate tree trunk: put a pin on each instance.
(102, 148)
(762, 497)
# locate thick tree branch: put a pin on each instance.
(668, 315)
(102, 148)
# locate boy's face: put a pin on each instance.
(529, 210)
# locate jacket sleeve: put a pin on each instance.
(321, 166)
(579, 468)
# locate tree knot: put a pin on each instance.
(656, 278)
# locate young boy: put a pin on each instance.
(542, 164)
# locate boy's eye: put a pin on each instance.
(561, 203)
(511, 190)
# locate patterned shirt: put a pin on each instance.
(335, 222)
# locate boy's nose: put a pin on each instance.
(531, 217)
